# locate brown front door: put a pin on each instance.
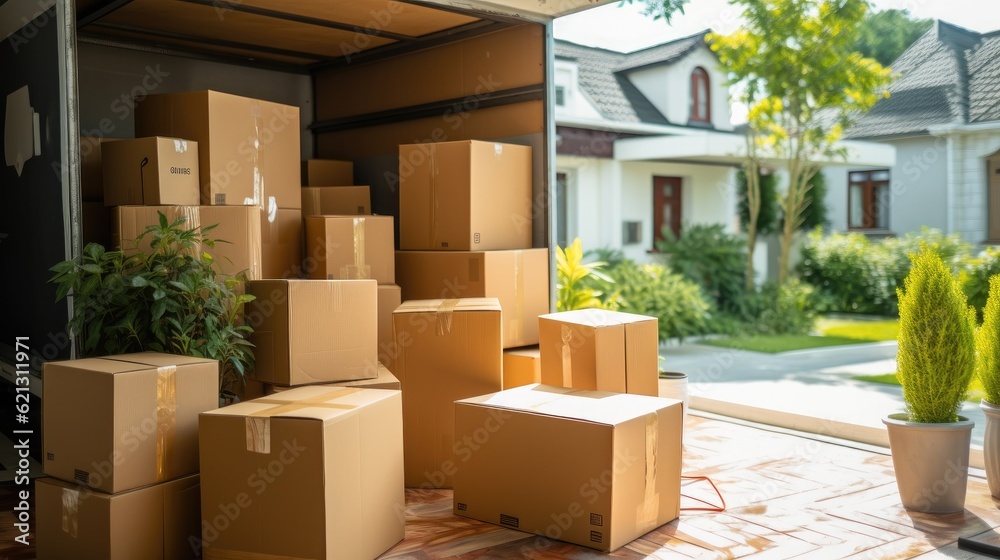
(666, 206)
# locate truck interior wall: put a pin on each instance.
(110, 77)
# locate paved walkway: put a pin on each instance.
(813, 382)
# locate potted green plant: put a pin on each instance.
(165, 297)
(935, 363)
(988, 372)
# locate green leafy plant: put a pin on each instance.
(163, 296)
(976, 276)
(576, 280)
(780, 309)
(652, 289)
(712, 258)
(988, 345)
(937, 348)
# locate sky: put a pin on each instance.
(624, 28)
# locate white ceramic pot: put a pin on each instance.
(931, 462)
(674, 385)
(991, 446)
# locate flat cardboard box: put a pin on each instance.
(248, 149)
(521, 366)
(596, 469)
(313, 331)
(122, 422)
(464, 196)
(238, 226)
(327, 201)
(385, 380)
(96, 223)
(91, 172)
(327, 173)
(335, 488)
(281, 243)
(153, 170)
(351, 248)
(448, 350)
(519, 279)
(389, 298)
(158, 522)
(596, 349)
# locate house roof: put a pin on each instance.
(602, 74)
(948, 75)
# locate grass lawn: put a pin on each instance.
(859, 329)
(772, 344)
(976, 392)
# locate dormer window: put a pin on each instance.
(560, 96)
(700, 101)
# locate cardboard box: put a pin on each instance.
(150, 171)
(592, 468)
(351, 248)
(248, 149)
(157, 522)
(335, 488)
(389, 298)
(448, 350)
(239, 226)
(313, 331)
(327, 201)
(464, 196)
(601, 350)
(121, 422)
(519, 279)
(91, 172)
(281, 243)
(327, 173)
(96, 223)
(521, 366)
(385, 380)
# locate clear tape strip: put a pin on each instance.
(70, 511)
(649, 509)
(566, 349)
(444, 314)
(166, 417)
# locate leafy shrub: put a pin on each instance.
(767, 217)
(576, 280)
(166, 299)
(814, 214)
(936, 356)
(651, 289)
(713, 259)
(988, 344)
(787, 309)
(975, 277)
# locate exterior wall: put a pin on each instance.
(578, 104)
(668, 87)
(968, 197)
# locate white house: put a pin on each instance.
(644, 140)
(943, 118)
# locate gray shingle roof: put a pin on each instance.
(602, 75)
(949, 75)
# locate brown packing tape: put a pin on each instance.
(443, 316)
(360, 270)
(70, 511)
(649, 509)
(258, 424)
(212, 553)
(516, 319)
(166, 417)
(566, 350)
(258, 431)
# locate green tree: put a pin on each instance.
(767, 215)
(814, 214)
(806, 84)
(884, 35)
(659, 9)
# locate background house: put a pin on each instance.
(943, 118)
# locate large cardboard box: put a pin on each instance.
(448, 350)
(464, 196)
(281, 243)
(238, 226)
(385, 380)
(389, 298)
(313, 331)
(521, 366)
(121, 422)
(158, 522)
(327, 201)
(601, 350)
(150, 171)
(593, 468)
(519, 279)
(315, 472)
(248, 149)
(350, 248)
(327, 173)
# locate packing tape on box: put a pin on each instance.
(360, 270)
(649, 509)
(566, 350)
(258, 424)
(433, 192)
(443, 316)
(516, 319)
(70, 511)
(212, 553)
(258, 178)
(166, 417)
(337, 297)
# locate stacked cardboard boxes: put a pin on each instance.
(465, 230)
(96, 217)
(121, 448)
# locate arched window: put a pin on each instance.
(700, 98)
